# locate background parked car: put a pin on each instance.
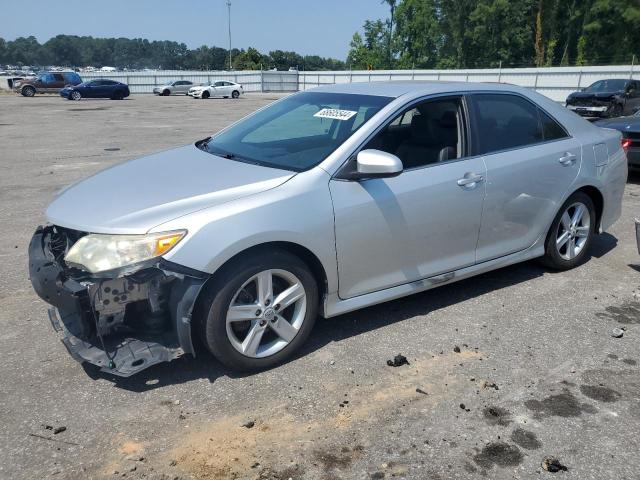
(178, 87)
(46, 82)
(606, 98)
(630, 128)
(218, 89)
(100, 88)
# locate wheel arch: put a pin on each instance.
(598, 201)
(310, 259)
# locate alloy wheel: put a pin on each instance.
(266, 313)
(573, 231)
(76, 95)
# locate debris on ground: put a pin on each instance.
(55, 430)
(553, 465)
(488, 384)
(398, 361)
(617, 332)
(419, 390)
(464, 407)
(248, 423)
(456, 349)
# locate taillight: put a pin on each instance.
(626, 143)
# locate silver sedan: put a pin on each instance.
(177, 87)
(327, 201)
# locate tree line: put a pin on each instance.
(490, 33)
(80, 51)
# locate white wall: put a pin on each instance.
(554, 82)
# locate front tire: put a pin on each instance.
(259, 310)
(166, 93)
(75, 95)
(571, 233)
(28, 91)
(205, 95)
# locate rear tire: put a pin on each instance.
(205, 94)
(235, 94)
(28, 91)
(571, 233)
(278, 328)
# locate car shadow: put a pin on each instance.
(633, 177)
(326, 331)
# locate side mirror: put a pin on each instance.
(377, 164)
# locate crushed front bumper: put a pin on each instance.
(122, 324)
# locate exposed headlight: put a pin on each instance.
(17, 84)
(98, 253)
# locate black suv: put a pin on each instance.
(606, 98)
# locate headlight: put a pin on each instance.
(99, 253)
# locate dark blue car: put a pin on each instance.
(99, 88)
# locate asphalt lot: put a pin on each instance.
(538, 374)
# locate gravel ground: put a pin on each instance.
(536, 373)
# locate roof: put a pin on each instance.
(398, 88)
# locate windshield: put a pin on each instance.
(607, 86)
(298, 132)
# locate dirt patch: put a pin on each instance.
(225, 450)
(627, 313)
(498, 453)
(600, 393)
(129, 448)
(525, 439)
(497, 416)
(561, 405)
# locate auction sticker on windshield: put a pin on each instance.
(335, 114)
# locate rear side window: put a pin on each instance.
(72, 77)
(503, 122)
(551, 130)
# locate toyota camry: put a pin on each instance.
(324, 202)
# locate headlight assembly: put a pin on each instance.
(98, 253)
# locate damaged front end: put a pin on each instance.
(122, 322)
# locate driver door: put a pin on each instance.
(422, 223)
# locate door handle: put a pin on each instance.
(470, 180)
(567, 159)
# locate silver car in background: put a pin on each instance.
(324, 202)
(177, 87)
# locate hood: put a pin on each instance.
(624, 124)
(599, 95)
(135, 196)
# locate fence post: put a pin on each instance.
(579, 79)
(261, 81)
(500, 72)
(535, 82)
(633, 61)
(334, 78)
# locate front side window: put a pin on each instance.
(298, 132)
(424, 134)
(218, 84)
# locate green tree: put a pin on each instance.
(418, 35)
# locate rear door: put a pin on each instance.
(531, 162)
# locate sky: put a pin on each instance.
(309, 27)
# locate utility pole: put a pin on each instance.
(229, 10)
